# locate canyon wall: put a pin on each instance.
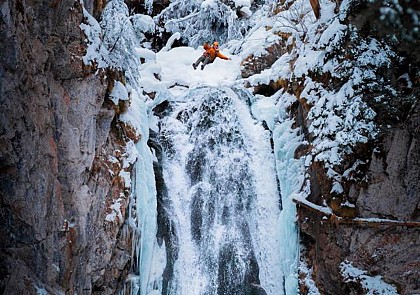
(61, 147)
(63, 203)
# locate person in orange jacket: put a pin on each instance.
(209, 55)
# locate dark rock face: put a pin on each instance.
(56, 136)
(395, 174)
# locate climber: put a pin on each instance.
(209, 55)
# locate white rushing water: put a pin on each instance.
(222, 204)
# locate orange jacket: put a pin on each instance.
(213, 53)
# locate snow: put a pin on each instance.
(372, 284)
(380, 220)
(130, 155)
(171, 41)
(308, 60)
(177, 69)
(308, 281)
(337, 188)
(143, 23)
(146, 54)
(279, 70)
(112, 42)
(132, 117)
(246, 11)
(206, 4)
(126, 176)
(92, 30)
(265, 110)
(252, 45)
(149, 5)
(242, 3)
(348, 204)
(303, 200)
(116, 211)
(119, 92)
(333, 34)
(244, 6)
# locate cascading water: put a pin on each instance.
(219, 215)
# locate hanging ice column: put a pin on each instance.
(223, 202)
(145, 196)
(290, 172)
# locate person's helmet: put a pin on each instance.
(215, 43)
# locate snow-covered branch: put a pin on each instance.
(326, 211)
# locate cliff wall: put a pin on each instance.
(371, 242)
(60, 154)
(375, 222)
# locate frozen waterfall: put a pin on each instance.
(219, 207)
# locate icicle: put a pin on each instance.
(290, 173)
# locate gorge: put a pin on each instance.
(292, 168)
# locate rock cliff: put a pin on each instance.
(63, 203)
(61, 149)
(374, 223)
(382, 237)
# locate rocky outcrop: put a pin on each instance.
(394, 172)
(374, 222)
(388, 249)
(256, 64)
(60, 157)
